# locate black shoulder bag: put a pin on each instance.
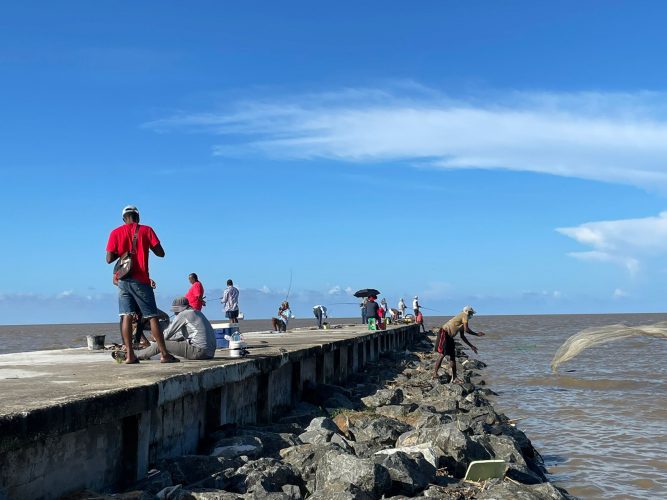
(124, 263)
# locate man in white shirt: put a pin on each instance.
(230, 301)
(415, 305)
(320, 313)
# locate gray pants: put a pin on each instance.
(318, 317)
(181, 349)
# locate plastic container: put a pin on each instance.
(223, 330)
(95, 342)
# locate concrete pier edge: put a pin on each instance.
(109, 439)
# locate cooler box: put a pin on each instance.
(222, 329)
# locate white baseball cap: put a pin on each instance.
(469, 310)
(129, 209)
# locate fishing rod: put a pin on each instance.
(289, 289)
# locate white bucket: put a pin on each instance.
(95, 342)
(236, 347)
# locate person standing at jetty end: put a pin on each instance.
(445, 345)
(230, 300)
(415, 305)
(320, 313)
(196, 334)
(195, 294)
(401, 307)
(135, 293)
(419, 319)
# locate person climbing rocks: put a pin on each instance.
(445, 345)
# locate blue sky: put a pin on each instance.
(510, 155)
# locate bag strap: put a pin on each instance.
(133, 251)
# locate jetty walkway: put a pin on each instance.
(73, 419)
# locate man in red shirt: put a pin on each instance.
(195, 295)
(135, 290)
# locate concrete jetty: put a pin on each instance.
(73, 419)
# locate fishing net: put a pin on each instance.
(601, 335)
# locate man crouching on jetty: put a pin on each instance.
(445, 342)
(190, 335)
(135, 293)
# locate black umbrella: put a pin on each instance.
(366, 292)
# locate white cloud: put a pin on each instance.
(619, 293)
(336, 290)
(600, 136)
(623, 242)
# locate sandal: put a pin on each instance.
(172, 359)
(118, 356)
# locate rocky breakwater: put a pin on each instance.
(393, 432)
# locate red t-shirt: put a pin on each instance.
(194, 295)
(120, 241)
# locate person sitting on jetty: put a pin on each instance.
(195, 294)
(372, 309)
(445, 345)
(141, 325)
(197, 338)
(320, 313)
(402, 307)
(284, 315)
(135, 289)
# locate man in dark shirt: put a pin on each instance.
(372, 309)
(135, 293)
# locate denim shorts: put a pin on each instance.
(136, 297)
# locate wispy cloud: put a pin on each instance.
(624, 242)
(601, 136)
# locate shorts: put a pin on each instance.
(136, 297)
(445, 344)
(232, 314)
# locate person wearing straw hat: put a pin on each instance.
(445, 345)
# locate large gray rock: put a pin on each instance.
(459, 450)
(394, 411)
(315, 437)
(430, 453)
(339, 400)
(508, 490)
(380, 430)
(306, 457)
(523, 474)
(384, 397)
(340, 473)
(272, 442)
(190, 469)
(265, 475)
(322, 424)
(213, 494)
(501, 447)
(250, 446)
(409, 474)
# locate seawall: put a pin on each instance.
(73, 419)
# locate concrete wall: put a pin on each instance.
(111, 440)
